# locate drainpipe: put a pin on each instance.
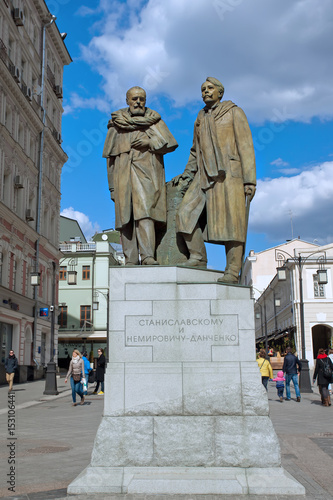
(40, 182)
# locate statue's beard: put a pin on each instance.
(138, 111)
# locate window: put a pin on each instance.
(11, 49)
(23, 70)
(318, 290)
(8, 119)
(32, 148)
(7, 191)
(21, 135)
(63, 273)
(62, 319)
(35, 37)
(6, 337)
(86, 272)
(14, 270)
(85, 315)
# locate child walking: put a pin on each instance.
(280, 384)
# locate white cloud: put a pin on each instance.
(282, 167)
(279, 163)
(307, 196)
(88, 228)
(85, 11)
(289, 171)
(269, 55)
(77, 101)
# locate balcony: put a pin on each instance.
(77, 247)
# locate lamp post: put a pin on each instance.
(277, 303)
(299, 261)
(95, 307)
(40, 183)
(51, 371)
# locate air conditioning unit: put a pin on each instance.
(18, 17)
(18, 182)
(29, 215)
(15, 72)
(58, 91)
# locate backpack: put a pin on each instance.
(327, 369)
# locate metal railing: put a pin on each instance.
(80, 247)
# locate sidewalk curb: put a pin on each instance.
(35, 402)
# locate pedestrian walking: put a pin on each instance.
(280, 380)
(87, 370)
(323, 374)
(330, 355)
(76, 372)
(100, 370)
(290, 364)
(265, 368)
(10, 367)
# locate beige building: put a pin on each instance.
(32, 58)
(278, 303)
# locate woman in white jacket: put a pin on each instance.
(76, 370)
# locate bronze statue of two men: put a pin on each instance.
(218, 181)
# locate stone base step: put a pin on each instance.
(186, 480)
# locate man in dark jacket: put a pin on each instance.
(10, 367)
(100, 370)
(290, 364)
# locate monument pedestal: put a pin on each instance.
(185, 411)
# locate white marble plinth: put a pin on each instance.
(186, 480)
(185, 410)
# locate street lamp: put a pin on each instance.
(285, 257)
(35, 279)
(322, 276)
(71, 273)
(277, 303)
(71, 277)
(40, 180)
(51, 371)
(96, 308)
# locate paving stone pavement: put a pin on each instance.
(52, 442)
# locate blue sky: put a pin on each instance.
(274, 59)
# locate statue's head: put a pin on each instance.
(136, 100)
(212, 91)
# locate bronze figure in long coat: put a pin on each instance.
(134, 147)
(221, 173)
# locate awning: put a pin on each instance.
(276, 335)
(100, 334)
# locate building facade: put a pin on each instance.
(282, 305)
(84, 290)
(32, 58)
